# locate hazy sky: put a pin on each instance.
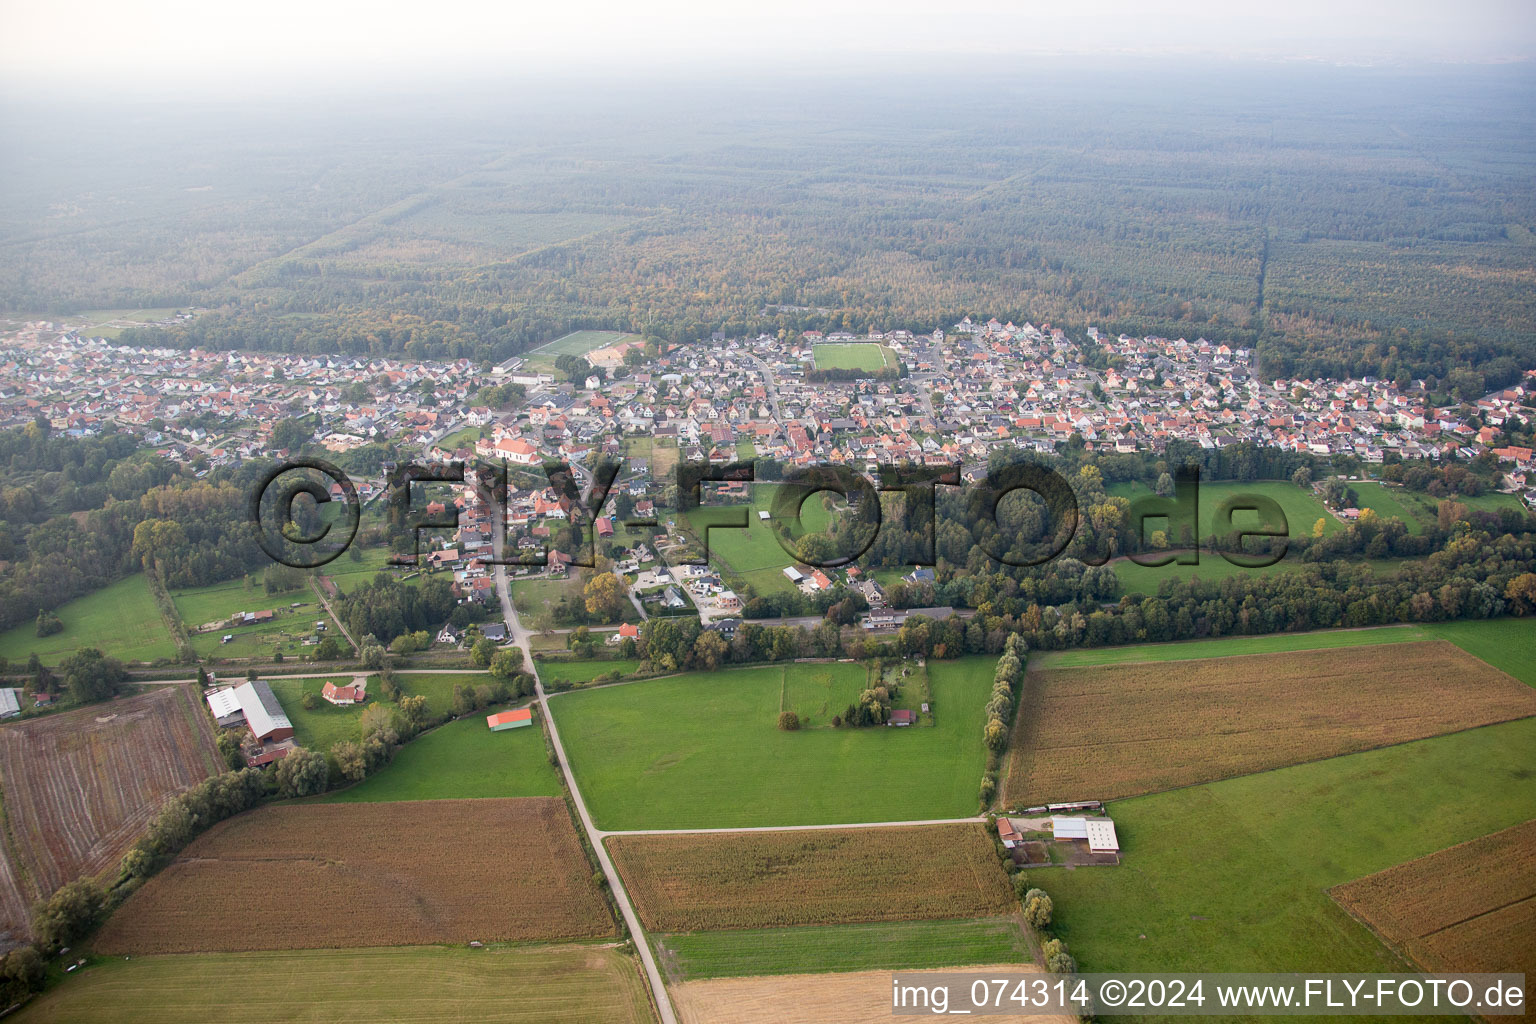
(198, 44)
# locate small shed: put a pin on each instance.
(505, 720)
(1007, 833)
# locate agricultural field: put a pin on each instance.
(120, 619)
(584, 671)
(1301, 507)
(862, 997)
(1107, 732)
(698, 882)
(1508, 644)
(461, 760)
(566, 984)
(1229, 646)
(858, 356)
(1234, 875)
(1471, 908)
(703, 750)
(337, 875)
(884, 945)
(79, 787)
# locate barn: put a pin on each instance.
(263, 712)
(505, 720)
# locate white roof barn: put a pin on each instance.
(223, 703)
(1101, 836)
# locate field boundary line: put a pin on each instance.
(916, 823)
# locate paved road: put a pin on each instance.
(615, 883)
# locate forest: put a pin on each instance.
(1345, 221)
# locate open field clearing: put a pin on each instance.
(683, 883)
(215, 604)
(121, 619)
(886, 945)
(1234, 876)
(79, 787)
(858, 356)
(1471, 908)
(437, 687)
(569, 984)
(703, 750)
(1301, 508)
(1229, 646)
(460, 760)
(1101, 733)
(584, 671)
(1506, 644)
(754, 553)
(336, 875)
(863, 997)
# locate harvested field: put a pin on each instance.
(863, 997)
(80, 786)
(686, 883)
(1116, 731)
(307, 876)
(1469, 908)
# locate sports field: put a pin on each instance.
(120, 619)
(312, 876)
(685, 882)
(460, 760)
(813, 949)
(1233, 875)
(1471, 908)
(703, 750)
(1114, 731)
(568, 984)
(579, 343)
(1301, 508)
(863, 356)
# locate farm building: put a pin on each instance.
(504, 720)
(10, 706)
(902, 716)
(254, 704)
(794, 575)
(1007, 833)
(354, 692)
(1099, 833)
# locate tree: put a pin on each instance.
(229, 749)
(291, 434)
(996, 735)
(1164, 486)
(1302, 477)
(789, 721)
(1521, 592)
(1037, 908)
(328, 649)
(348, 755)
(68, 914)
(48, 623)
(604, 597)
(507, 663)
(1057, 959)
(302, 773)
(482, 653)
(91, 675)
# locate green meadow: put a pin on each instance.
(704, 750)
(119, 619)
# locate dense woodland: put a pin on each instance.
(1345, 221)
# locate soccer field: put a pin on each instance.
(853, 357)
(579, 343)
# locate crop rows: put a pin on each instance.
(80, 786)
(771, 879)
(306, 876)
(1121, 730)
(1471, 907)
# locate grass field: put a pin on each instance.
(539, 596)
(754, 554)
(863, 356)
(572, 984)
(1471, 908)
(579, 343)
(121, 619)
(1507, 644)
(1114, 731)
(683, 883)
(216, 603)
(321, 728)
(1233, 876)
(1392, 502)
(1142, 579)
(338, 875)
(885, 945)
(584, 671)
(437, 687)
(1223, 647)
(1301, 508)
(703, 750)
(460, 760)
